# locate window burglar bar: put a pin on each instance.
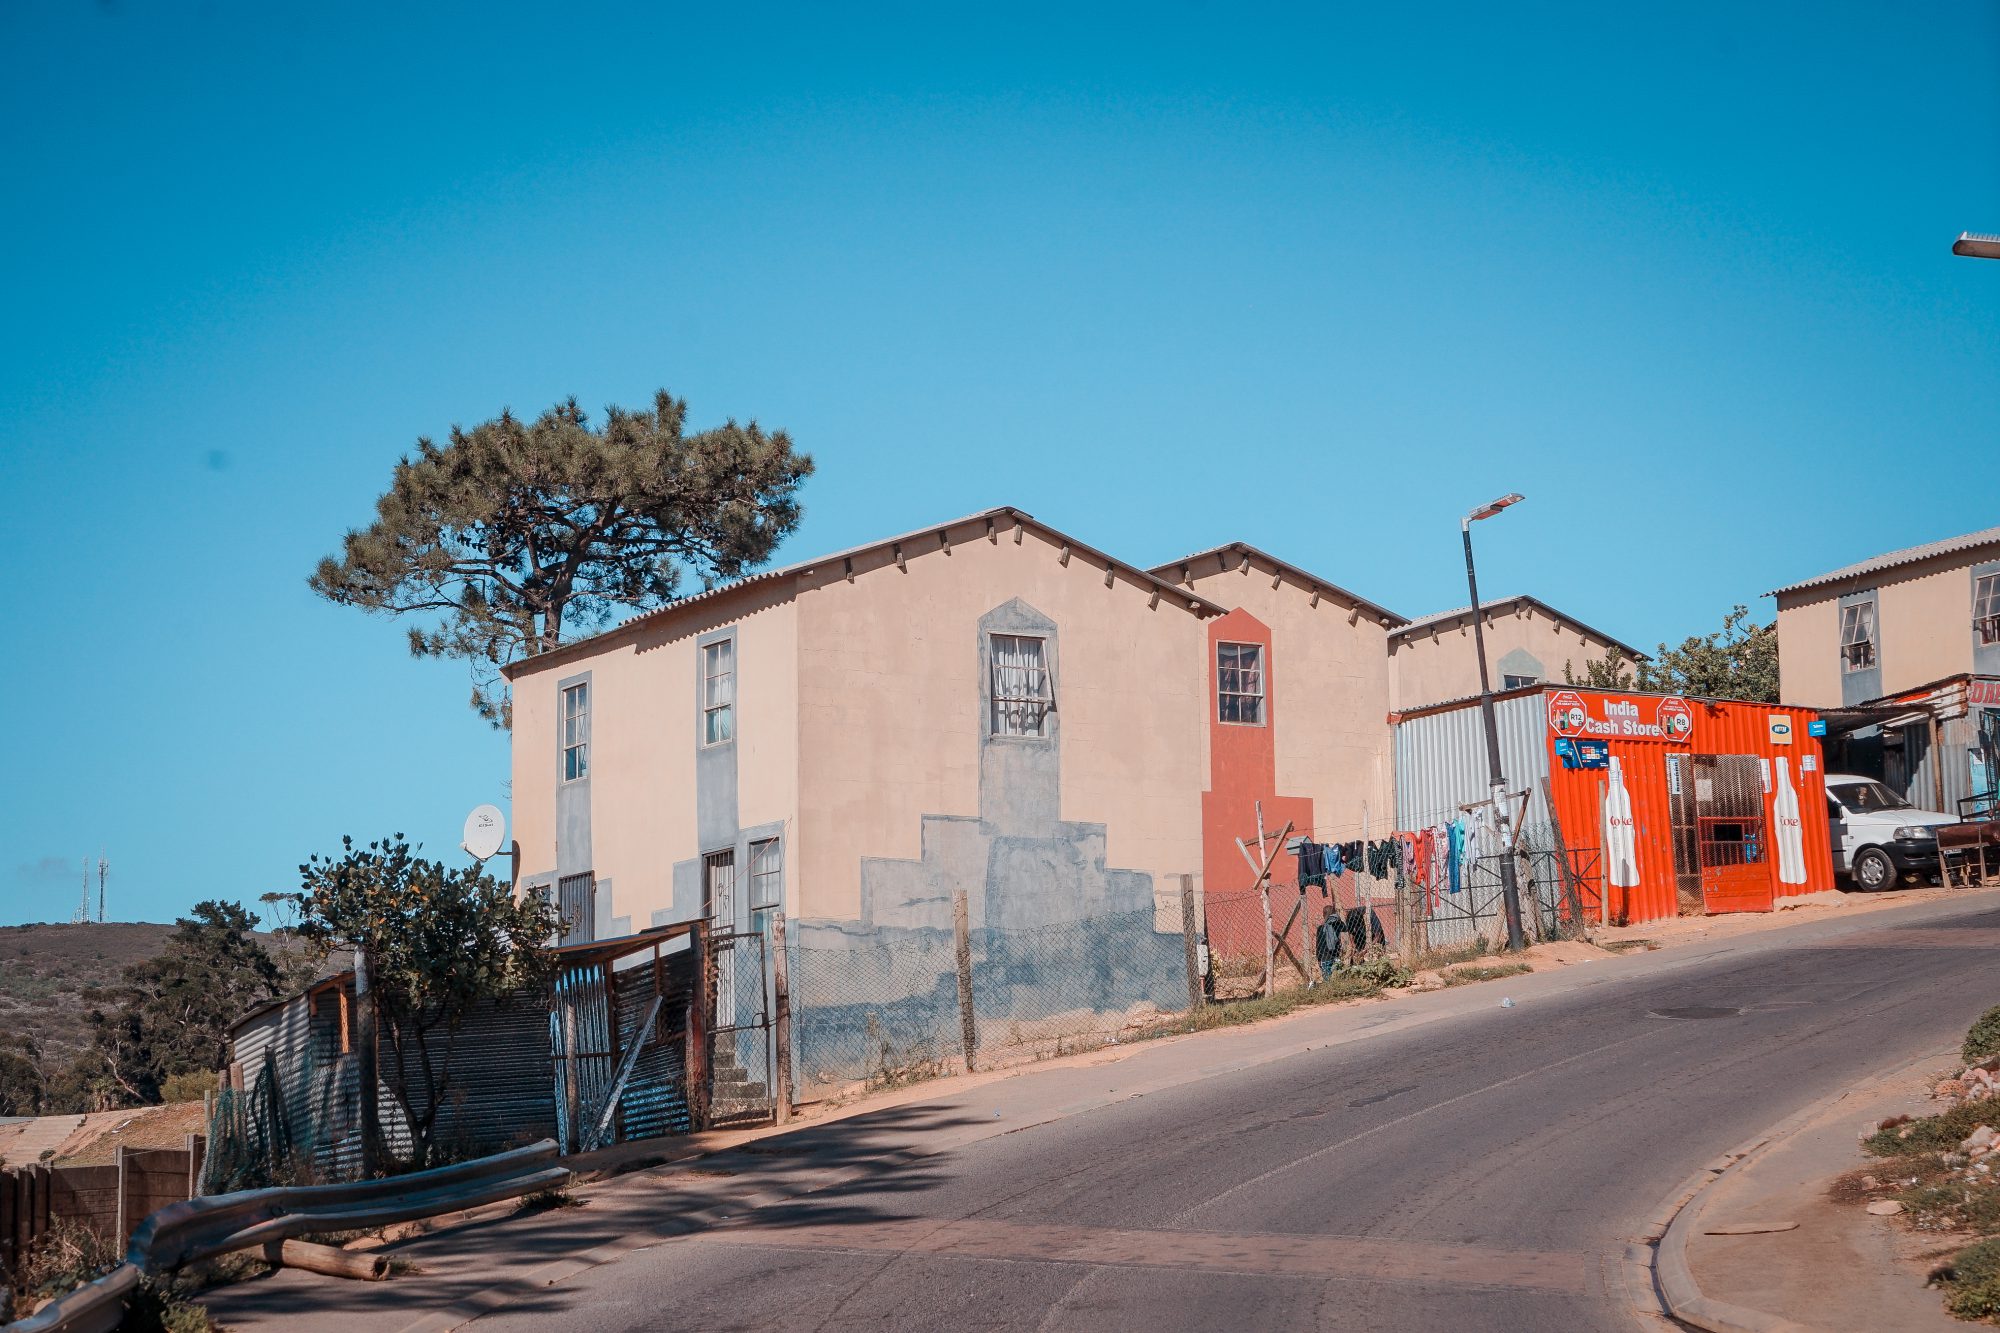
(1023, 695)
(1239, 682)
(576, 899)
(1857, 636)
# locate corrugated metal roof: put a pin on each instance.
(1192, 601)
(1306, 577)
(1507, 604)
(1908, 555)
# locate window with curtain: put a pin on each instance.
(1857, 636)
(576, 732)
(1023, 695)
(718, 692)
(1986, 609)
(1239, 682)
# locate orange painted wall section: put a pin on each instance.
(1242, 770)
(1718, 728)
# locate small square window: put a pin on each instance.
(576, 732)
(1857, 636)
(1518, 682)
(718, 692)
(1023, 695)
(1239, 683)
(1986, 609)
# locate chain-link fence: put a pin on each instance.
(884, 1009)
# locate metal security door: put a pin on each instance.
(739, 1028)
(1732, 843)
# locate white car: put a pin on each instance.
(1878, 837)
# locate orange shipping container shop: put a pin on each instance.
(1668, 805)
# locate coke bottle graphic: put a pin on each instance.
(1621, 843)
(1791, 833)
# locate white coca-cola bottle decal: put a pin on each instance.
(1621, 841)
(1791, 833)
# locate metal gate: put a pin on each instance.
(739, 1027)
(1730, 838)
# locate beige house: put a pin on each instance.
(987, 707)
(1904, 652)
(1314, 745)
(1432, 659)
(1895, 623)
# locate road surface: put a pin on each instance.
(1467, 1166)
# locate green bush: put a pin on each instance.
(1984, 1038)
(1934, 1133)
(1972, 1289)
(188, 1087)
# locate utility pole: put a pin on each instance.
(1510, 890)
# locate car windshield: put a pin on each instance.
(1868, 796)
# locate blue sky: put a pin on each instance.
(1319, 279)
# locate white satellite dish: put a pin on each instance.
(485, 830)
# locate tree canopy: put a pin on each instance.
(1739, 661)
(440, 939)
(171, 1014)
(516, 535)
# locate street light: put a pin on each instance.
(1510, 891)
(1976, 245)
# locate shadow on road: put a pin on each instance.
(841, 1163)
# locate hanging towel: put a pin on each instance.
(1455, 840)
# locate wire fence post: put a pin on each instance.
(781, 1019)
(961, 929)
(1188, 943)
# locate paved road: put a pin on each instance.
(1466, 1166)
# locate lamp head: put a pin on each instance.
(1492, 507)
(1976, 245)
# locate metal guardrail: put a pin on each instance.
(183, 1233)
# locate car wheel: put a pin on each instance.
(1873, 870)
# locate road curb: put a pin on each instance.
(1680, 1296)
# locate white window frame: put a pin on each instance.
(1020, 692)
(1852, 617)
(718, 692)
(1246, 684)
(1518, 682)
(767, 881)
(1986, 608)
(573, 723)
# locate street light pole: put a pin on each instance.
(1510, 889)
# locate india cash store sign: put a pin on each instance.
(1625, 719)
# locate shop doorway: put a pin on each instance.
(1731, 843)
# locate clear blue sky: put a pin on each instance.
(1165, 277)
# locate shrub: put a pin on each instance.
(1984, 1038)
(188, 1087)
(1935, 1133)
(65, 1257)
(1972, 1287)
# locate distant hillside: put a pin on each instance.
(44, 970)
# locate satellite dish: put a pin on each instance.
(485, 830)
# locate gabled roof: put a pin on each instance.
(1909, 555)
(936, 536)
(1233, 552)
(1499, 604)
